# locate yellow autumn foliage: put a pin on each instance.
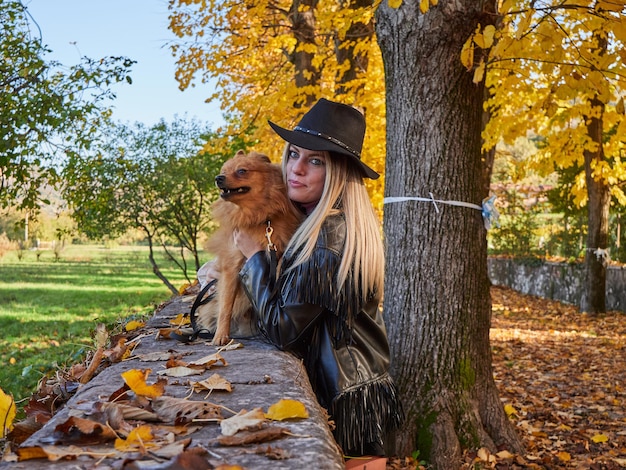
(545, 68)
(541, 66)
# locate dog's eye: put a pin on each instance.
(242, 171)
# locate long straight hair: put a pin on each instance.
(344, 192)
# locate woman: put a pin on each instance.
(324, 305)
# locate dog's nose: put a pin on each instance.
(219, 179)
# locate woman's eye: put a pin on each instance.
(316, 161)
(293, 154)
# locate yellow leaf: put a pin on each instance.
(510, 410)
(600, 438)
(136, 380)
(138, 439)
(479, 73)
(7, 412)
(488, 35)
(133, 325)
(619, 107)
(180, 320)
(286, 409)
(467, 53)
(424, 5)
(184, 287)
(395, 3)
(564, 456)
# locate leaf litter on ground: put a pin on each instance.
(561, 376)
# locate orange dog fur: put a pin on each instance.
(252, 193)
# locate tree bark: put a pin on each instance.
(437, 303)
(593, 300)
(302, 18)
(346, 50)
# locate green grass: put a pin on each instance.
(49, 309)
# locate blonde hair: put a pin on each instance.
(344, 192)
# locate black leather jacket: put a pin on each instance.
(342, 343)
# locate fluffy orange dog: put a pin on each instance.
(253, 199)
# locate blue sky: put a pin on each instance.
(137, 29)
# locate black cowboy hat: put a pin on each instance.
(333, 127)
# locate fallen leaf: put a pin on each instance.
(510, 410)
(155, 356)
(600, 438)
(134, 325)
(180, 410)
(180, 371)
(54, 453)
(136, 380)
(286, 409)
(139, 439)
(208, 361)
(231, 346)
(213, 383)
(7, 412)
(180, 320)
(119, 352)
(564, 456)
(254, 437)
(83, 431)
(242, 420)
(131, 412)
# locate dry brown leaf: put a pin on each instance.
(180, 371)
(54, 453)
(83, 431)
(213, 383)
(242, 420)
(131, 412)
(155, 356)
(254, 437)
(179, 410)
(208, 361)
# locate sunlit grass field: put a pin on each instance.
(49, 308)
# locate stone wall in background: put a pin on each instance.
(556, 281)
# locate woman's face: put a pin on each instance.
(306, 173)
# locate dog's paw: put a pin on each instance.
(220, 339)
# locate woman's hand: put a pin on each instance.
(247, 244)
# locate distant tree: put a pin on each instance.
(557, 68)
(47, 112)
(153, 178)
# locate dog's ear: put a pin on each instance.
(240, 153)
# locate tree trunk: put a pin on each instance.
(302, 18)
(437, 303)
(593, 300)
(347, 50)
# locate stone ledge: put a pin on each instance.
(261, 375)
